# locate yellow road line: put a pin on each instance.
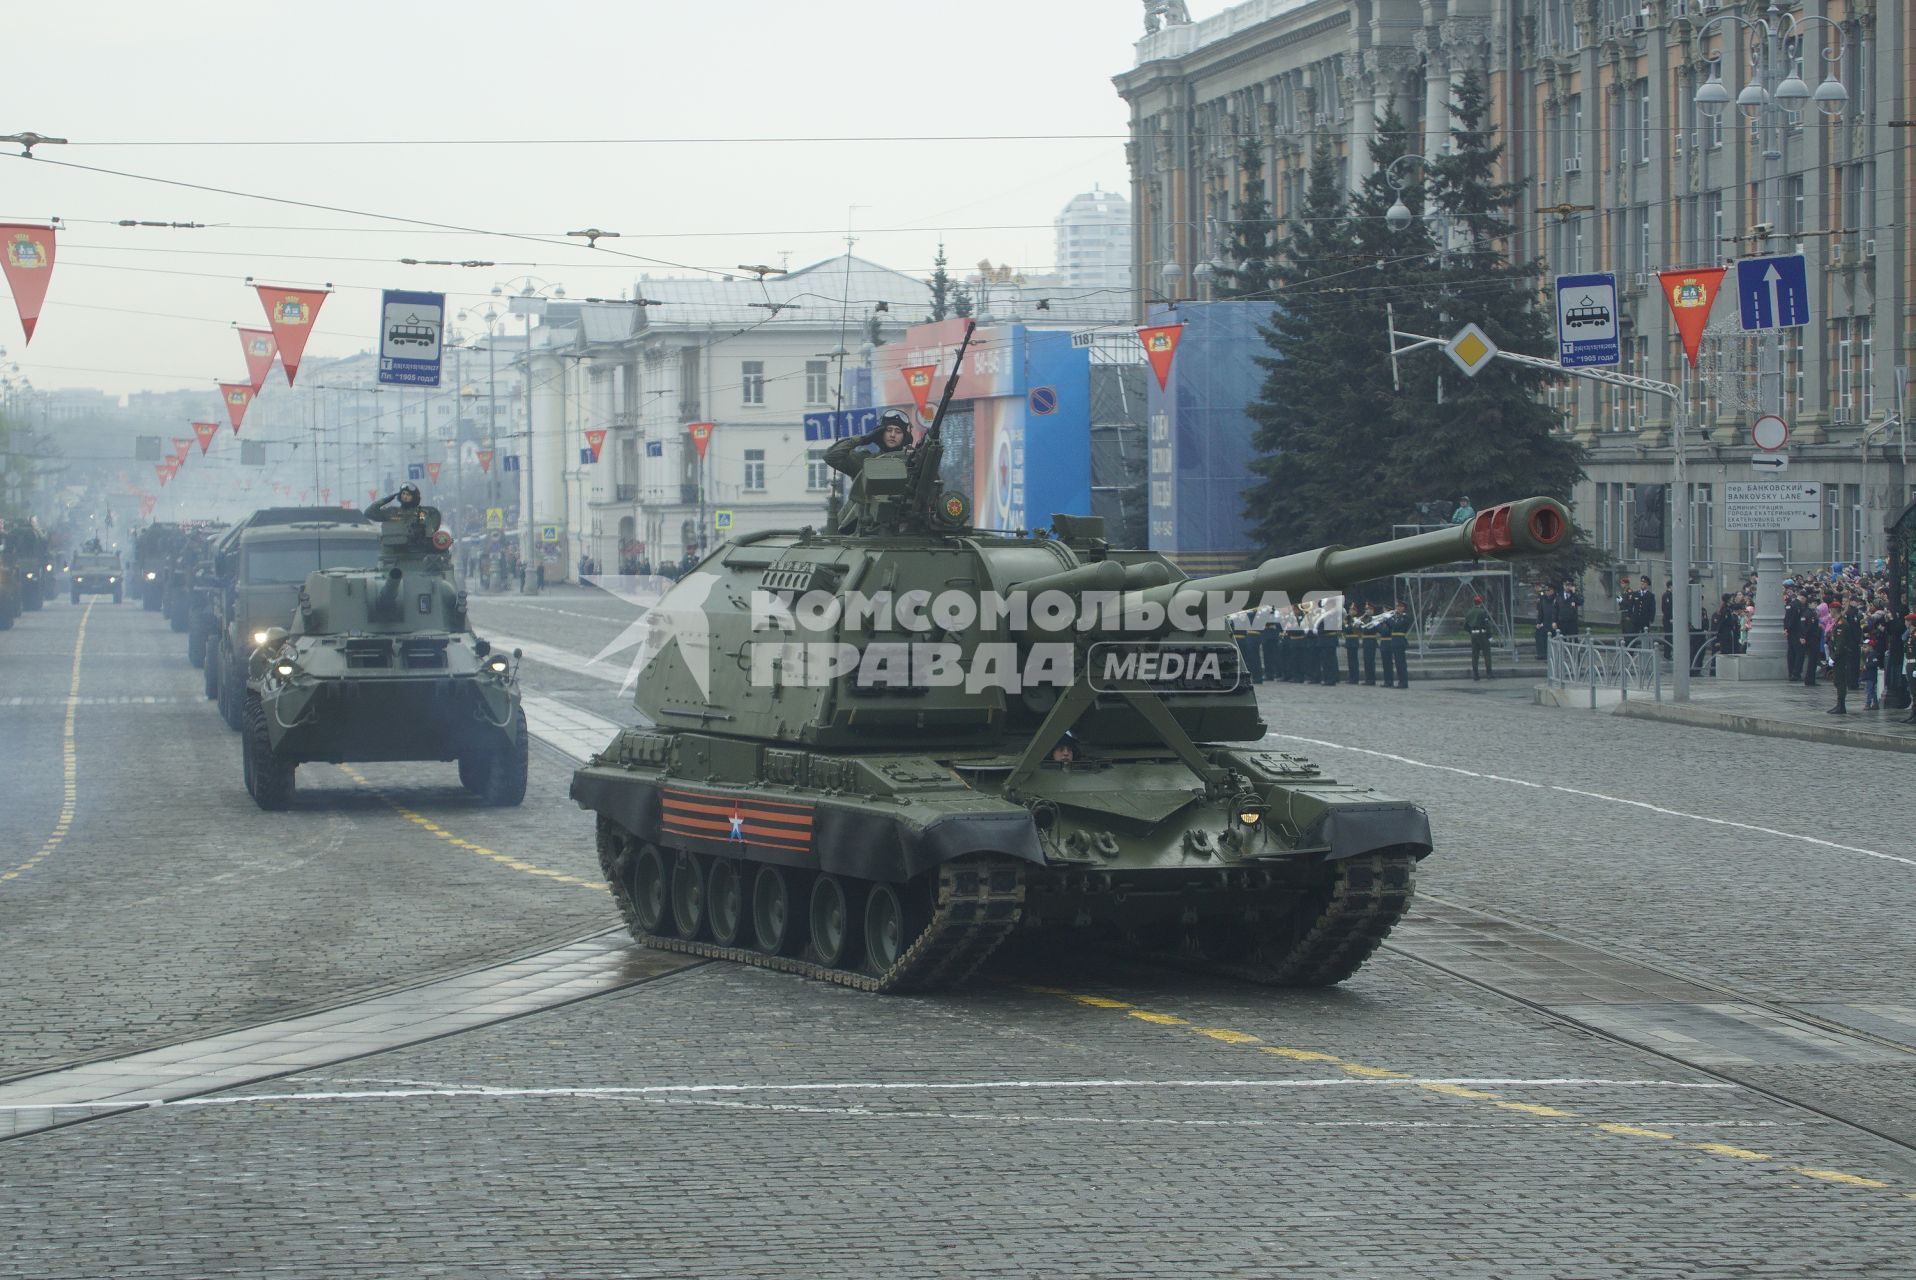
(503, 859)
(69, 764)
(1226, 1035)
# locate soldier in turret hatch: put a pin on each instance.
(407, 497)
(892, 435)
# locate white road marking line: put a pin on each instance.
(1597, 795)
(862, 1086)
(563, 659)
(546, 608)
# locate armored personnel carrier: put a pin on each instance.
(1039, 732)
(152, 550)
(381, 664)
(258, 568)
(95, 573)
(28, 562)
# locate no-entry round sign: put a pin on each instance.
(1770, 433)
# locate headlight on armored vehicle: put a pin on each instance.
(1249, 815)
(499, 664)
(259, 637)
(284, 668)
(151, 575)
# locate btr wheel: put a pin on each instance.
(503, 770)
(776, 927)
(725, 901)
(648, 888)
(893, 921)
(210, 673)
(272, 778)
(196, 645)
(834, 928)
(232, 694)
(688, 896)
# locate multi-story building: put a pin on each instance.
(1595, 103)
(1094, 242)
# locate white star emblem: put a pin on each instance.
(738, 826)
(671, 615)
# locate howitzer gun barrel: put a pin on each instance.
(1531, 527)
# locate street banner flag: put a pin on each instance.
(596, 439)
(701, 433)
(206, 431)
(237, 395)
(1691, 294)
(918, 382)
(432, 470)
(180, 446)
(27, 254)
(260, 348)
(1160, 346)
(147, 504)
(292, 313)
(372, 493)
(485, 459)
(164, 472)
(326, 496)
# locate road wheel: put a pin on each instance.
(196, 649)
(76, 595)
(834, 927)
(472, 773)
(210, 675)
(232, 691)
(503, 772)
(688, 895)
(777, 927)
(725, 901)
(649, 892)
(894, 917)
(271, 777)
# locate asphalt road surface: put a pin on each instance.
(1654, 1015)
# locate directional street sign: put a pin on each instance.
(836, 424)
(411, 326)
(1769, 462)
(1587, 321)
(1773, 293)
(1772, 504)
(1471, 349)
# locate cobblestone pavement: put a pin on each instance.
(1071, 1115)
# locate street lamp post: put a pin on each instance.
(530, 287)
(1775, 90)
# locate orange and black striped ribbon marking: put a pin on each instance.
(766, 823)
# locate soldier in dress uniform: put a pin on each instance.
(1297, 643)
(1330, 620)
(1477, 627)
(1271, 641)
(1369, 627)
(1353, 633)
(1249, 644)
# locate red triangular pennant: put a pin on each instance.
(164, 472)
(238, 395)
(260, 348)
(1160, 348)
(292, 313)
(595, 438)
(1691, 294)
(918, 382)
(701, 433)
(181, 444)
(432, 470)
(27, 254)
(485, 460)
(205, 431)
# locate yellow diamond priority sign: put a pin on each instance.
(1471, 349)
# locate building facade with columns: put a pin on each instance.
(1594, 102)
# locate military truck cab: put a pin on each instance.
(95, 574)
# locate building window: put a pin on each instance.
(1793, 204)
(1573, 142)
(1603, 517)
(816, 382)
(1644, 259)
(751, 378)
(817, 475)
(1702, 522)
(1641, 148)
(1845, 372)
(1853, 533)
(754, 470)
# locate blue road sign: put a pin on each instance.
(1773, 292)
(411, 330)
(837, 424)
(585, 456)
(1043, 400)
(1587, 321)
(415, 471)
(656, 448)
(509, 463)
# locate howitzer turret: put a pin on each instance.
(381, 664)
(872, 754)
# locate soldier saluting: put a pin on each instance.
(407, 496)
(893, 434)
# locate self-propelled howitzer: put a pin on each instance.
(872, 754)
(381, 664)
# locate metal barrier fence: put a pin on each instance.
(1622, 663)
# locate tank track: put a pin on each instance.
(977, 905)
(1367, 896)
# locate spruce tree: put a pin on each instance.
(1248, 273)
(962, 303)
(940, 286)
(1491, 436)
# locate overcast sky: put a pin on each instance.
(139, 308)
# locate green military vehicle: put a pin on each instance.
(381, 664)
(259, 567)
(27, 563)
(153, 549)
(96, 573)
(177, 599)
(1053, 737)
